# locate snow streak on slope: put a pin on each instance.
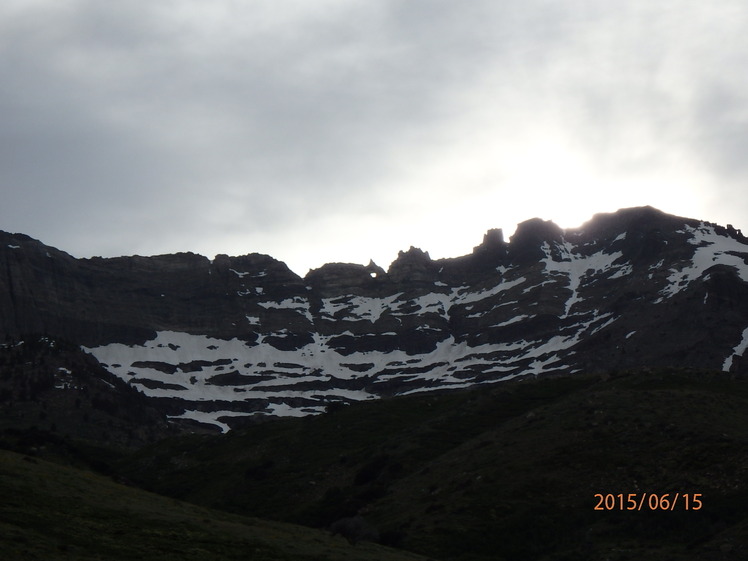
(440, 303)
(297, 304)
(711, 249)
(576, 267)
(737, 352)
(467, 297)
(357, 307)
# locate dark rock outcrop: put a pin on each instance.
(526, 243)
(413, 266)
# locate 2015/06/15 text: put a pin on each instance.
(648, 501)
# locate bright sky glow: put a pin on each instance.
(349, 130)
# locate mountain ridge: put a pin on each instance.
(233, 337)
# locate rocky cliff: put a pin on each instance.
(223, 339)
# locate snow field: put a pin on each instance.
(266, 373)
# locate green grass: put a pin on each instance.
(50, 512)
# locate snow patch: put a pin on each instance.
(736, 352)
(358, 307)
(209, 417)
(285, 410)
(466, 297)
(515, 319)
(297, 304)
(64, 379)
(575, 267)
(711, 249)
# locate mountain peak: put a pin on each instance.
(414, 265)
(642, 218)
(525, 244)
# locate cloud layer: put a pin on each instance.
(343, 130)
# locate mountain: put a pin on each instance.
(220, 342)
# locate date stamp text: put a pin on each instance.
(648, 501)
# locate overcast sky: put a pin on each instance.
(344, 130)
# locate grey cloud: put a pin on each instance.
(721, 128)
(270, 118)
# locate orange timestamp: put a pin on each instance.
(648, 501)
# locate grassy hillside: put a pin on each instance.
(507, 472)
(50, 512)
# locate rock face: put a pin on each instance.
(223, 339)
(51, 386)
